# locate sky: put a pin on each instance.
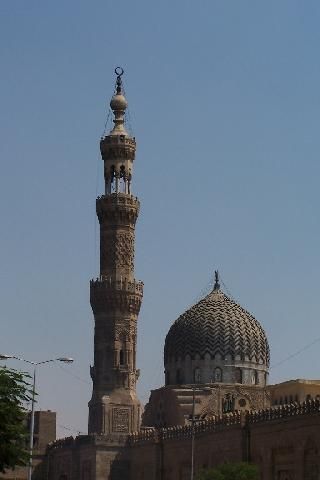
(224, 102)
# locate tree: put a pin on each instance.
(15, 391)
(230, 471)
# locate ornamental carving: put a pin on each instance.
(125, 250)
(211, 405)
(122, 331)
(118, 251)
(120, 420)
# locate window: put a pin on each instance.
(179, 379)
(121, 357)
(197, 375)
(238, 375)
(228, 403)
(217, 375)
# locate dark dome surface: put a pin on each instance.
(217, 325)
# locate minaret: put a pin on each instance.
(116, 296)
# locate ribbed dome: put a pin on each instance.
(217, 326)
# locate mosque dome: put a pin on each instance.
(216, 340)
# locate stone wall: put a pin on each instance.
(284, 442)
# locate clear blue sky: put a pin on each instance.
(224, 101)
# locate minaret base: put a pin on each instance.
(115, 414)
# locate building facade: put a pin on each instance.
(216, 360)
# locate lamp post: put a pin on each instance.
(35, 365)
(193, 421)
(192, 430)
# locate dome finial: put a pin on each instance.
(216, 280)
(118, 104)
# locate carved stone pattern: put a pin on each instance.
(119, 251)
(256, 399)
(121, 420)
(124, 331)
(211, 406)
(132, 380)
(125, 250)
(121, 331)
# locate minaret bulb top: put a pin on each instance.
(118, 101)
(118, 104)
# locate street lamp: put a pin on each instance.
(35, 365)
(193, 421)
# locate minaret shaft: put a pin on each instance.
(116, 296)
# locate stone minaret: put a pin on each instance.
(116, 296)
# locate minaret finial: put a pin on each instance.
(119, 72)
(118, 104)
(216, 280)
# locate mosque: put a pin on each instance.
(216, 405)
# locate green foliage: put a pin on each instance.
(230, 471)
(14, 392)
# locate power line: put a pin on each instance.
(295, 354)
(74, 375)
(71, 429)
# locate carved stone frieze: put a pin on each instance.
(117, 251)
(120, 419)
(211, 405)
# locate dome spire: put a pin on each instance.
(216, 280)
(118, 104)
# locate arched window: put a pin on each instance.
(217, 375)
(238, 375)
(179, 379)
(228, 403)
(121, 357)
(197, 375)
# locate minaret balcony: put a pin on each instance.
(108, 294)
(120, 206)
(123, 284)
(119, 199)
(117, 146)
